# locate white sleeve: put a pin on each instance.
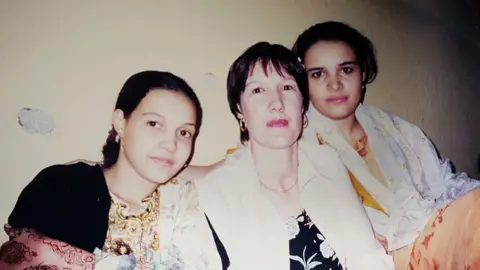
(193, 237)
(438, 172)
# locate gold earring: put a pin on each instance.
(121, 143)
(243, 126)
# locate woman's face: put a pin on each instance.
(334, 79)
(271, 107)
(158, 136)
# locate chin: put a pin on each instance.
(337, 117)
(338, 114)
(280, 142)
(159, 176)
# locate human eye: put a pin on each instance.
(186, 133)
(153, 124)
(347, 70)
(317, 74)
(257, 90)
(288, 87)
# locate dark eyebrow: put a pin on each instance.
(348, 63)
(314, 69)
(159, 115)
(247, 82)
(341, 64)
(152, 113)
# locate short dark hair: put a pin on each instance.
(337, 31)
(282, 60)
(133, 92)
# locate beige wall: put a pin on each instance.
(70, 58)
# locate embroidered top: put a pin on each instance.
(134, 232)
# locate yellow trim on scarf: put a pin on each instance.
(366, 198)
(231, 150)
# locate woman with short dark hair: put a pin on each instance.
(277, 203)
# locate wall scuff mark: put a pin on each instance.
(35, 121)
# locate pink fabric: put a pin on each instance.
(28, 250)
(451, 239)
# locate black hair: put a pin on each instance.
(133, 92)
(282, 60)
(337, 31)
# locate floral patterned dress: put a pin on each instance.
(308, 247)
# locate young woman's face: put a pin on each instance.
(271, 107)
(158, 136)
(334, 79)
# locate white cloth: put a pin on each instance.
(254, 235)
(419, 180)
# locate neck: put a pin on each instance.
(276, 168)
(348, 126)
(127, 184)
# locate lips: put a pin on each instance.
(337, 99)
(167, 162)
(277, 123)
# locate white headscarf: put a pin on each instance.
(418, 180)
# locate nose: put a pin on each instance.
(169, 142)
(276, 101)
(334, 83)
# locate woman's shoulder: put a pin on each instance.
(60, 201)
(176, 191)
(324, 159)
(233, 163)
(56, 181)
(227, 179)
(316, 151)
(378, 113)
(59, 178)
(55, 174)
(77, 170)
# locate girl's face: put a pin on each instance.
(157, 138)
(334, 79)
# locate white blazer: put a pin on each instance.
(254, 235)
